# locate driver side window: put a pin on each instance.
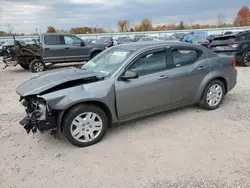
(70, 40)
(150, 63)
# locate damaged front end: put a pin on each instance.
(39, 115)
(21, 53)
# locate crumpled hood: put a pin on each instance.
(45, 81)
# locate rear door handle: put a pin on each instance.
(46, 49)
(163, 77)
(66, 48)
(201, 68)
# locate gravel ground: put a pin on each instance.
(185, 148)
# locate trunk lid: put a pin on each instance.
(224, 44)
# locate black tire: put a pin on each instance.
(24, 65)
(94, 54)
(76, 111)
(37, 65)
(204, 102)
(246, 59)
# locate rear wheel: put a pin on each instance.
(246, 59)
(213, 95)
(85, 125)
(37, 65)
(24, 65)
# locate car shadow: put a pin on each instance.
(151, 118)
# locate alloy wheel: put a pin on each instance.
(247, 58)
(214, 95)
(38, 67)
(86, 127)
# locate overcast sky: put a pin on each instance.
(26, 15)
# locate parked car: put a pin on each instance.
(210, 38)
(53, 48)
(122, 83)
(169, 38)
(179, 36)
(89, 40)
(6, 46)
(146, 39)
(227, 33)
(123, 40)
(137, 37)
(108, 41)
(237, 44)
(200, 40)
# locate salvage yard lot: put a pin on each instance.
(185, 147)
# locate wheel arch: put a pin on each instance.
(207, 81)
(94, 51)
(99, 104)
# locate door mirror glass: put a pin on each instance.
(129, 75)
(82, 43)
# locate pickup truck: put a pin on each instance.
(51, 49)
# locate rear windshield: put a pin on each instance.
(220, 40)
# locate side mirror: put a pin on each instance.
(129, 75)
(82, 43)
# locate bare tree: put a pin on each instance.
(10, 28)
(220, 19)
(191, 23)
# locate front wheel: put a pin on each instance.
(213, 95)
(37, 65)
(246, 59)
(94, 54)
(85, 125)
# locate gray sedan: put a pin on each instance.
(123, 83)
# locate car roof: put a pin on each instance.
(149, 44)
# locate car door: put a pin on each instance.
(53, 48)
(75, 49)
(187, 69)
(150, 91)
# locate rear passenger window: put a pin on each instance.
(184, 57)
(53, 39)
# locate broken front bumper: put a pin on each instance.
(31, 124)
(39, 116)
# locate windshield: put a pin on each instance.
(108, 61)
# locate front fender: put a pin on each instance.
(208, 78)
(62, 100)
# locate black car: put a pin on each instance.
(123, 40)
(228, 33)
(210, 38)
(237, 44)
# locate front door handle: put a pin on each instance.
(46, 49)
(201, 68)
(163, 77)
(66, 48)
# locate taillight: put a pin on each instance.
(233, 45)
(234, 63)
